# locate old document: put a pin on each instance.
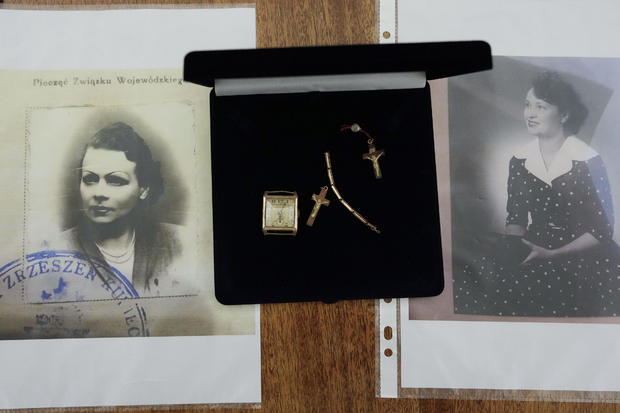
(92, 158)
(106, 257)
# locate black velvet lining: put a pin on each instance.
(277, 142)
(437, 60)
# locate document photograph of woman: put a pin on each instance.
(117, 224)
(119, 182)
(533, 185)
(123, 203)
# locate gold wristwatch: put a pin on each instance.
(280, 213)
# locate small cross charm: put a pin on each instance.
(319, 200)
(373, 155)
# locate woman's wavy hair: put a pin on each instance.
(121, 137)
(550, 87)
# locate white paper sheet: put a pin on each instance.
(524, 28)
(125, 371)
(481, 355)
(119, 39)
(496, 355)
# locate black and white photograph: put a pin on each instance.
(533, 185)
(529, 198)
(119, 182)
(116, 194)
(111, 210)
(105, 173)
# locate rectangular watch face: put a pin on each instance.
(280, 212)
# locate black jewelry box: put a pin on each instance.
(274, 137)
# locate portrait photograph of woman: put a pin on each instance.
(528, 218)
(119, 181)
(121, 198)
(533, 195)
(110, 230)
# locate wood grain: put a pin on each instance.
(320, 357)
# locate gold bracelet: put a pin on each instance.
(342, 201)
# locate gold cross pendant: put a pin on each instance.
(373, 155)
(319, 200)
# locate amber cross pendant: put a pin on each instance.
(373, 155)
(319, 200)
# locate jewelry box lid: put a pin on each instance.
(438, 60)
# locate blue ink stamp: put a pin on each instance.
(68, 294)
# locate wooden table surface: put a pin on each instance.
(321, 357)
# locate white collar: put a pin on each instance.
(573, 149)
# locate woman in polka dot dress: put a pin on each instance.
(558, 258)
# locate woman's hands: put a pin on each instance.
(576, 246)
(537, 252)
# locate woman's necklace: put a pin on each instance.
(124, 256)
(549, 148)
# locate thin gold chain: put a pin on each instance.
(359, 216)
